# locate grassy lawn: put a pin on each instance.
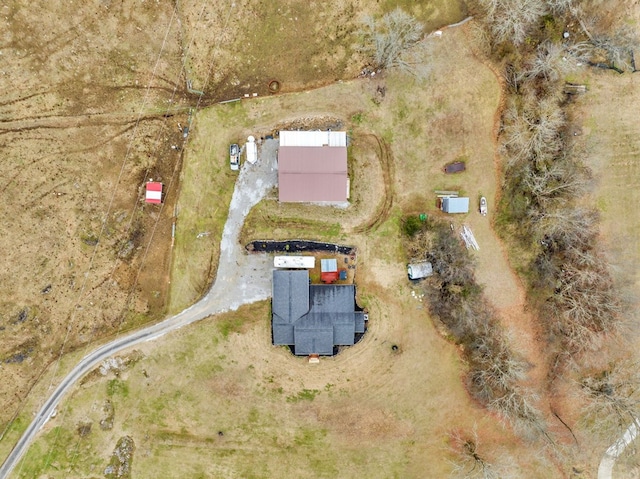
(232, 405)
(296, 43)
(206, 188)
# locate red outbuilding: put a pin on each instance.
(328, 270)
(154, 192)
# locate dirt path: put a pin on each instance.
(505, 291)
(503, 287)
(385, 156)
(605, 469)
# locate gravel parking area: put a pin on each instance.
(244, 278)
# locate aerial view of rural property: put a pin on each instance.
(329, 239)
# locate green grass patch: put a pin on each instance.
(239, 321)
(55, 454)
(271, 220)
(228, 326)
(304, 395)
(117, 387)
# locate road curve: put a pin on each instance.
(240, 279)
(605, 470)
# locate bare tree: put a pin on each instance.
(511, 20)
(612, 399)
(468, 462)
(559, 7)
(567, 227)
(563, 178)
(394, 41)
(517, 406)
(616, 48)
(495, 368)
(552, 62)
(586, 304)
(610, 46)
(531, 129)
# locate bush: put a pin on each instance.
(395, 42)
(411, 226)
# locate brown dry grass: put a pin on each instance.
(608, 131)
(369, 411)
(74, 79)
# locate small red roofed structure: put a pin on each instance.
(154, 192)
(328, 270)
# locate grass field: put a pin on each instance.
(216, 399)
(612, 145)
(92, 97)
(80, 132)
(610, 136)
(356, 414)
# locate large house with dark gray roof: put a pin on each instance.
(313, 318)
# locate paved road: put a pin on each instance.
(605, 470)
(241, 279)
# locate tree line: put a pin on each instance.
(537, 44)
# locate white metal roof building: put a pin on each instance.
(313, 138)
(420, 270)
(455, 205)
(329, 265)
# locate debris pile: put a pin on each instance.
(120, 464)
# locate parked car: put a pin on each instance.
(234, 157)
(483, 206)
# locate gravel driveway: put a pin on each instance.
(244, 278)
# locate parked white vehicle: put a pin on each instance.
(483, 206)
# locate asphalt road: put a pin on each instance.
(605, 470)
(240, 279)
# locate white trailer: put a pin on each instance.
(294, 262)
(252, 150)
